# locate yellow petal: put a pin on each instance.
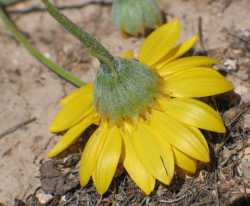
(185, 63)
(156, 158)
(91, 153)
(178, 135)
(177, 51)
(72, 135)
(128, 54)
(200, 136)
(108, 160)
(135, 168)
(75, 108)
(196, 82)
(184, 162)
(167, 156)
(74, 95)
(193, 112)
(159, 43)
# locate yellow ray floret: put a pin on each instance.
(196, 82)
(185, 63)
(91, 153)
(75, 108)
(108, 160)
(157, 158)
(159, 43)
(135, 168)
(177, 52)
(184, 161)
(178, 135)
(73, 134)
(194, 113)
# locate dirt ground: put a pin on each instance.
(30, 95)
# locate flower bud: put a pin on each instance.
(134, 17)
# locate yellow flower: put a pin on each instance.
(165, 132)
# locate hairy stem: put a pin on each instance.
(95, 48)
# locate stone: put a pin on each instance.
(231, 65)
(43, 197)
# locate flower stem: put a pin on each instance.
(68, 76)
(95, 48)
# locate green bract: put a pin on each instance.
(126, 92)
(134, 16)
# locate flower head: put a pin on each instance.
(148, 118)
(134, 17)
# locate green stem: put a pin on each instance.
(95, 48)
(36, 53)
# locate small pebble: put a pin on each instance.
(43, 198)
(231, 65)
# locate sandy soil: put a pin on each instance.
(29, 90)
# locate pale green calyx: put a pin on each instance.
(134, 16)
(126, 92)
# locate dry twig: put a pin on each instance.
(16, 127)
